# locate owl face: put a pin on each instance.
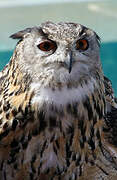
(58, 53)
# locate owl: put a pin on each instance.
(57, 110)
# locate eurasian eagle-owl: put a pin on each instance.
(56, 107)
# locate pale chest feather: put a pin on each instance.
(64, 95)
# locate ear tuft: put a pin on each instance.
(20, 34)
(98, 39)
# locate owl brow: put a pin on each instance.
(83, 31)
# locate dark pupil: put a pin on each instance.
(46, 46)
(81, 44)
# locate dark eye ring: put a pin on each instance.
(47, 46)
(82, 44)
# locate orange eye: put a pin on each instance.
(47, 46)
(82, 44)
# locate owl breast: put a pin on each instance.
(63, 95)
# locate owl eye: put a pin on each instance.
(82, 44)
(47, 46)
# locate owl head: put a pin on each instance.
(58, 54)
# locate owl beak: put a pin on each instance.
(70, 62)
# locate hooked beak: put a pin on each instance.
(70, 62)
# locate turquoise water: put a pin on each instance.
(108, 58)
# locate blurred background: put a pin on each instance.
(99, 15)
